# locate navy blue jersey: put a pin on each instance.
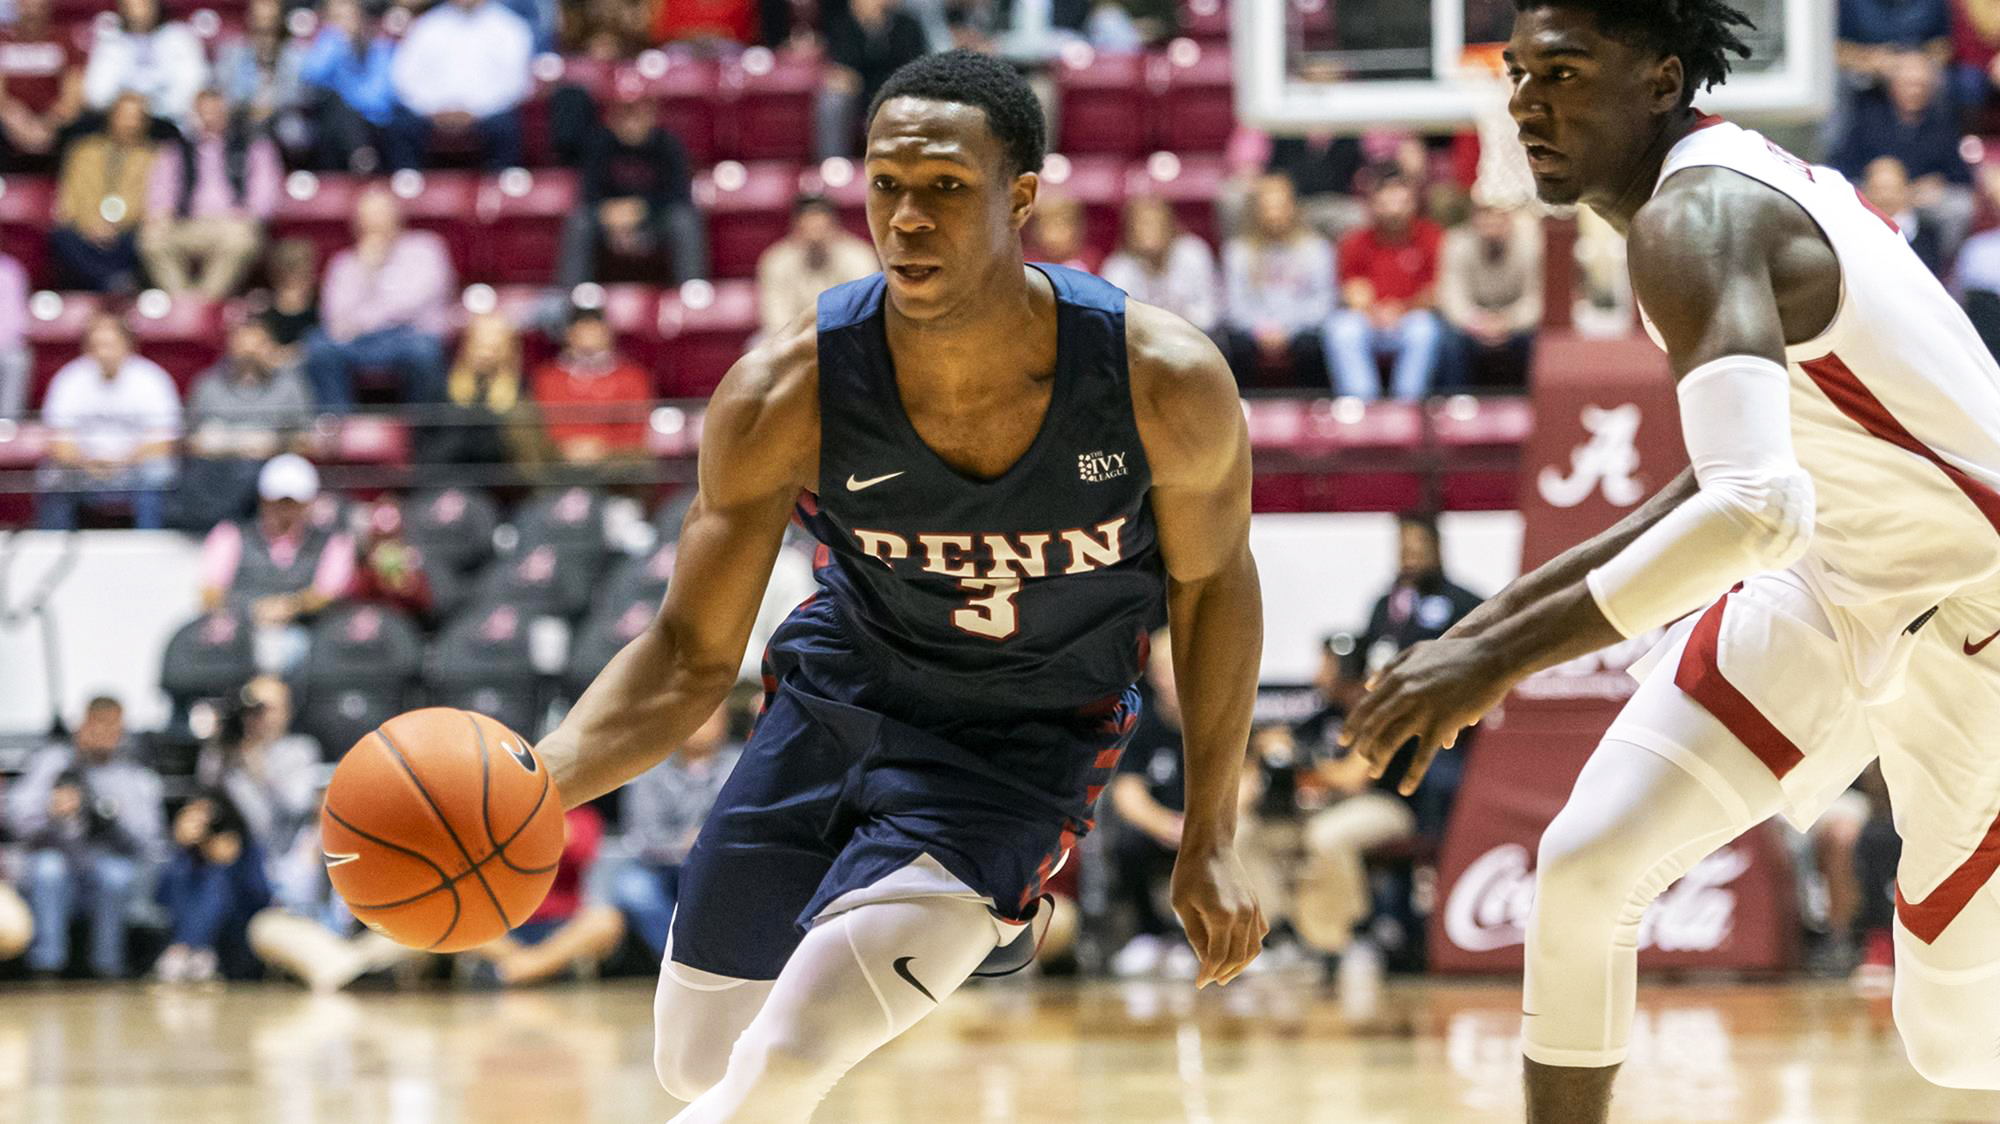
(941, 595)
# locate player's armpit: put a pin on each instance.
(760, 448)
(1702, 251)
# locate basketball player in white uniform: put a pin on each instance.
(1830, 564)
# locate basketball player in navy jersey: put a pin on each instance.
(1015, 475)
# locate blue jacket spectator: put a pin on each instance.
(346, 74)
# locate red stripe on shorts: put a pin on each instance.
(1700, 676)
(1928, 918)
(1839, 383)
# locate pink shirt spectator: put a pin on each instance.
(212, 197)
(413, 287)
(222, 552)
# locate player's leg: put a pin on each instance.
(859, 979)
(1670, 783)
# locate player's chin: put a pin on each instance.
(1558, 191)
(919, 293)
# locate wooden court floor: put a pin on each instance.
(1268, 1050)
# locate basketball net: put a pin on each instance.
(1504, 179)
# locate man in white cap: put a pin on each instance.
(280, 565)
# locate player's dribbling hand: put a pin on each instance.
(1430, 692)
(1226, 927)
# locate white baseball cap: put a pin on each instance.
(288, 476)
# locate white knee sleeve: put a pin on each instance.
(1634, 823)
(1947, 1016)
(697, 1017)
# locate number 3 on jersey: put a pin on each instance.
(992, 616)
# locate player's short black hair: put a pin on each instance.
(1701, 33)
(970, 78)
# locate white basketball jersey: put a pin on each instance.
(1895, 413)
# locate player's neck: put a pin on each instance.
(1008, 314)
(1620, 209)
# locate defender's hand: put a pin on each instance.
(1211, 894)
(1430, 692)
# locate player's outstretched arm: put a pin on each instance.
(1701, 256)
(1199, 449)
(760, 447)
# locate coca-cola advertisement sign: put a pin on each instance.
(1607, 435)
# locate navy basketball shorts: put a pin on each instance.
(831, 799)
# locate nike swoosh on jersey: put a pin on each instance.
(1972, 649)
(333, 860)
(902, 966)
(854, 485)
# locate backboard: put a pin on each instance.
(1346, 65)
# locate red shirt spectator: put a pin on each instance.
(594, 402)
(41, 79)
(1398, 265)
(586, 831)
(705, 19)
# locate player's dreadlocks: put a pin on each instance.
(1700, 32)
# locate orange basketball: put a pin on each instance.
(441, 829)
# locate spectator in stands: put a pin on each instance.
(91, 821)
(259, 76)
(1158, 263)
(113, 417)
(707, 21)
(488, 418)
(347, 86)
(595, 401)
(461, 70)
(866, 41)
(1877, 849)
(41, 86)
(1908, 118)
(1975, 44)
(100, 202)
(291, 310)
(257, 797)
(386, 303)
(1872, 33)
(661, 812)
(1887, 185)
(17, 925)
(160, 60)
(279, 566)
(1149, 794)
(638, 195)
(16, 358)
(1277, 290)
(1490, 294)
(243, 411)
(209, 196)
(1976, 275)
(817, 255)
(1056, 233)
(565, 929)
(391, 571)
(607, 30)
(1388, 281)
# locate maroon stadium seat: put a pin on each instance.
(1189, 182)
(183, 334)
(447, 204)
(1098, 182)
(771, 99)
(22, 447)
(56, 322)
(1206, 21)
(690, 94)
(633, 312)
(748, 207)
(705, 328)
(1479, 443)
(26, 203)
(369, 439)
(1103, 102)
(1197, 110)
(320, 209)
(521, 217)
(842, 181)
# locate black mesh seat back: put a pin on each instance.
(673, 512)
(337, 716)
(453, 527)
(543, 580)
(482, 662)
(364, 645)
(570, 517)
(208, 657)
(604, 632)
(635, 578)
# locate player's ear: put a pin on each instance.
(1669, 79)
(1021, 203)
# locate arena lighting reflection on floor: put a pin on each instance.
(1275, 1048)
